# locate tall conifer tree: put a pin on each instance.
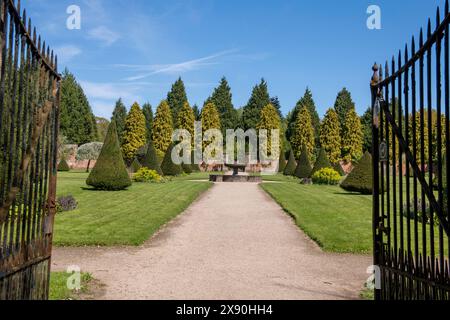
(162, 128)
(352, 138)
(252, 111)
(330, 136)
(134, 134)
(77, 122)
(176, 98)
(119, 117)
(222, 99)
(303, 134)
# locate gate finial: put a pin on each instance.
(376, 76)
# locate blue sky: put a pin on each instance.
(135, 49)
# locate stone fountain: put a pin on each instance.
(236, 174)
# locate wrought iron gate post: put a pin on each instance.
(376, 183)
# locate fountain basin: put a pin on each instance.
(234, 178)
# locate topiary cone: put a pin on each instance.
(63, 166)
(322, 162)
(110, 172)
(282, 162)
(151, 159)
(291, 165)
(303, 170)
(168, 167)
(194, 167)
(360, 179)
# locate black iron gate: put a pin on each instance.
(29, 100)
(411, 112)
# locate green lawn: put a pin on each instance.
(58, 286)
(120, 218)
(337, 220)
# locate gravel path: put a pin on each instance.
(233, 243)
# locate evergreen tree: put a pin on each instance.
(342, 106)
(134, 134)
(210, 119)
(282, 162)
(148, 113)
(366, 122)
(135, 166)
(303, 170)
(252, 111)
(303, 134)
(222, 99)
(291, 165)
(168, 167)
(102, 128)
(186, 119)
(197, 113)
(110, 172)
(187, 168)
(77, 122)
(322, 162)
(63, 166)
(308, 102)
(151, 159)
(162, 128)
(338, 168)
(119, 117)
(194, 167)
(352, 143)
(176, 98)
(361, 178)
(269, 120)
(276, 103)
(330, 136)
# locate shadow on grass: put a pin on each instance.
(343, 193)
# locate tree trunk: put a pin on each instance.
(89, 164)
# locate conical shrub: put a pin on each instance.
(360, 179)
(110, 172)
(63, 166)
(338, 168)
(322, 162)
(303, 170)
(282, 162)
(151, 159)
(135, 166)
(168, 167)
(194, 167)
(291, 165)
(187, 168)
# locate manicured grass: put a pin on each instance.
(58, 286)
(338, 221)
(120, 218)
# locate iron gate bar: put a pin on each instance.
(416, 169)
(29, 92)
(412, 264)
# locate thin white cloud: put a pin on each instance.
(103, 34)
(109, 91)
(67, 53)
(175, 68)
